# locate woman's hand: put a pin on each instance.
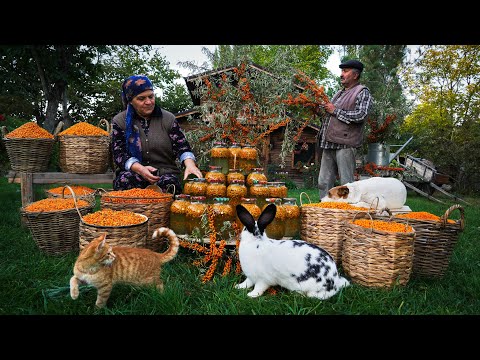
(146, 172)
(191, 168)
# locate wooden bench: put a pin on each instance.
(26, 181)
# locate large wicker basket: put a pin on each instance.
(90, 197)
(85, 154)
(434, 242)
(56, 232)
(129, 236)
(324, 227)
(157, 210)
(29, 155)
(377, 258)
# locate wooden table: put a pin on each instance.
(27, 180)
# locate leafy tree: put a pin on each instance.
(256, 97)
(445, 79)
(50, 83)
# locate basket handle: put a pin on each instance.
(445, 216)
(58, 128)
(304, 193)
(4, 131)
(168, 187)
(106, 123)
(74, 199)
(363, 212)
(376, 207)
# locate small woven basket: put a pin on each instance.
(324, 227)
(85, 154)
(434, 242)
(29, 155)
(56, 232)
(90, 197)
(156, 209)
(377, 258)
(129, 236)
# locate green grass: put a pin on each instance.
(34, 283)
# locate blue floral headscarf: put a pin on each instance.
(131, 87)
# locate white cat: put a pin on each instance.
(293, 264)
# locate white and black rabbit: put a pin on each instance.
(293, 264)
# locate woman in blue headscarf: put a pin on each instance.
(147, 140)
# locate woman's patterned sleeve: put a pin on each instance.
(119, 147)
(180, 143)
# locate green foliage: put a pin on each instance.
(445, 79)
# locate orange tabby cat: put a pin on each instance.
(102, 266)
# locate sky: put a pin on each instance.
(175, 53)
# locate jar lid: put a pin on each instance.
(216, 181)
(198, 198)
(235, 170)
(182, 197)
(238, 182)
(200, 180)
(215, 167)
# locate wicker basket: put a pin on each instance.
(377, 258)
(158, 213)
(56, 232)
(434, 243)
(85, 154)
(90, 197)
(129, 236)
(325, 227)
(29, 155)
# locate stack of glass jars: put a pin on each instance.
(236, 191)
(194, 213)
(215, 188)
(256, 175)
(178, 211)
(219, 155)
(251, 205)
(235, 174)
(234, 157)
(248, 158)
(259, 191)
(277, 189)
(292, 218)
(198, 187)
(276, 229)
(215, 173)
(223, 212)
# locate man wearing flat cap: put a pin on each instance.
(341, 132)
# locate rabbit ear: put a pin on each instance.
(246, 218)
(266, 217)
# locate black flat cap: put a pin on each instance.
(355, 64)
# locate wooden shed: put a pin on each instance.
(298, 164)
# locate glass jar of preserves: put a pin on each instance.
(219, 155)
(215, 173)
(223, 212)
(178, 210)
(256, 175)
(188, 186)
(277, 189)
(234, 158)
(292, 218)
(259, 191)
(234, 174)
(215, 188)
(276, 229)
(195, 211)
(248, 158)
(251, 205)
(236, 191)
(198, 187)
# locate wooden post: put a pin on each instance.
(26, 181)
